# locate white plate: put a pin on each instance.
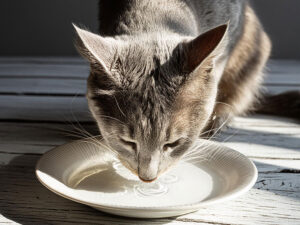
(86, 173)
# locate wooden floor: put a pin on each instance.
(42, 99)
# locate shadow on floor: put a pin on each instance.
(261, 137)
(280, 180)
(24, 200)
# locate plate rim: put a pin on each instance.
(171, 208)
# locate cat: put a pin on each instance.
(166, 72)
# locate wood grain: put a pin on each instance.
(256, 138)
(72, 85)
(44, 70)
(46, 86)
(44, 108)
(31, 202)
(67, 76)
(42, 105)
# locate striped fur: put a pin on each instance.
(240, 85)
(165, 71)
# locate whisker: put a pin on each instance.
(119, 107)
(112, 118)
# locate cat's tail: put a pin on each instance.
(286, 104)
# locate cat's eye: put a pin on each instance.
(130, 144)
(172, 145)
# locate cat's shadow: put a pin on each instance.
(25, 200)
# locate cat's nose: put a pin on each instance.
(147, 175)
(148, 167)
(147, 181)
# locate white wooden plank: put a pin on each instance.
(254, 148)
(42, 60)
(67, 85)
(263, 137)
(46, 108)
(278, 81)
(5, 221)
(264, 121)
(277, 89)
(267, 124)
(284, 66)
(61, 86)
(255, 207)
(278, 141)
(44, 70)
(283, 79)
(259, 139)
(275, 198)
(279, 72)
(277, 165)
(273, 64)
(64, 84)
(36, 138)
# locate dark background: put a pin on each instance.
(43, 27)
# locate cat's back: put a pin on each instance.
(188, 17)
(211, 13)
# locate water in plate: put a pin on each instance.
(117, 185)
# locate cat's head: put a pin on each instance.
(151, 95)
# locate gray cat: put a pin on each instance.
(164, 72)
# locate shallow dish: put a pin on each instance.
(84, 172)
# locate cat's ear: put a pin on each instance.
(95, 48)
(198, 49)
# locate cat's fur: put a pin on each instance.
(165, 71)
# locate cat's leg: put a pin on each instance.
(240, 84)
